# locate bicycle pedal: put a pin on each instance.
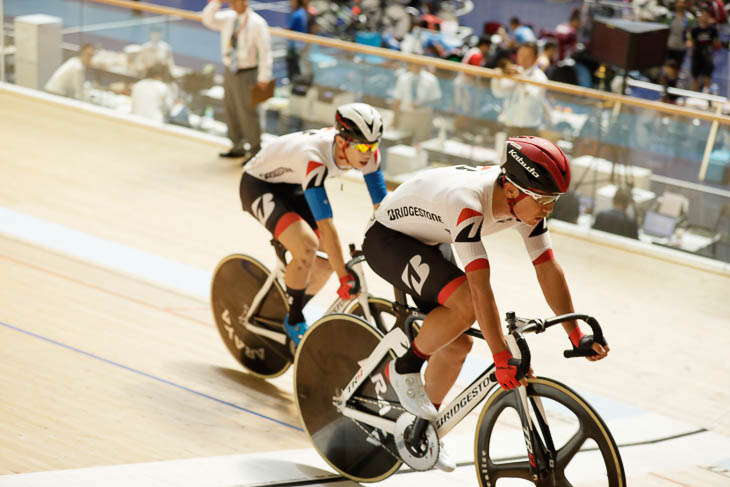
(426, 456)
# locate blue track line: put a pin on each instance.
(150, 376)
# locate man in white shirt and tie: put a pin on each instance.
(524, 104)
(246, 51)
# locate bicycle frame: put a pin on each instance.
(397, 341)
(338, 306)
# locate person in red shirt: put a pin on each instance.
(567, 35)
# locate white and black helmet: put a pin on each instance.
(359, 121)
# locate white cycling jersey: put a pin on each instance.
(454, 205)
(305, 158)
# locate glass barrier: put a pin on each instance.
(434, 113)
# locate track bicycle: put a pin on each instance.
(544, 433)
(249, 305)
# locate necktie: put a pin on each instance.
(233, 52)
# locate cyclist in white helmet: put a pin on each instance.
(283, 187)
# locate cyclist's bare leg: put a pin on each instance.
(441, 336)
(321, 271)
(301, 241)
(444, 367)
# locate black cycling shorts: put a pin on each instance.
(276, 206)
(427, 272)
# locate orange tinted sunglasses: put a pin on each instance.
(365, 147)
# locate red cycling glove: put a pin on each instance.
(575, 337)
(506, 370)
(346, 284)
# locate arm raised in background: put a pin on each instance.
(212, 17)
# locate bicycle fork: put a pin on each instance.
(540, 447)
(250, 311)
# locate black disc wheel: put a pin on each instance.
(326, 360)
(236, 281)
(582, 448)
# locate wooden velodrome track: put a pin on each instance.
(101, 367)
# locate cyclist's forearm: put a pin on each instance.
(489, 324)
(555, 289)
(485, 309)
(333, 247)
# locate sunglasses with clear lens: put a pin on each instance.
(364, 147)
(542, 199)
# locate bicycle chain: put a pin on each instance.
(369, 433)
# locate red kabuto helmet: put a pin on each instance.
(536, 164)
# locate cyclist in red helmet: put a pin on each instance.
(453, 208)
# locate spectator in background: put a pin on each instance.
(151, 97)
(416, 91)
(616, 220)
(435, 48)
(669, 79)
(717, 11)
(522, 112)
(477, 56)
(412, 42)
(680, 22)
(703, 41)
(567, 35)
(246, 52)
(298, 22)
(155, 52)
(545, 59)
(567, 208)
(521, 34)
(69, 79)
(465, 85)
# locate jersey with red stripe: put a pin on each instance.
(454, 205)
(305, 158)
(473, 56)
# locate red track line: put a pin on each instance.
(669, 480)
(104, 290)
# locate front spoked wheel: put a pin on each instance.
(574, 447)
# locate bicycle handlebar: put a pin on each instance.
(519, 326)
(590, 321)
(357, 257)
